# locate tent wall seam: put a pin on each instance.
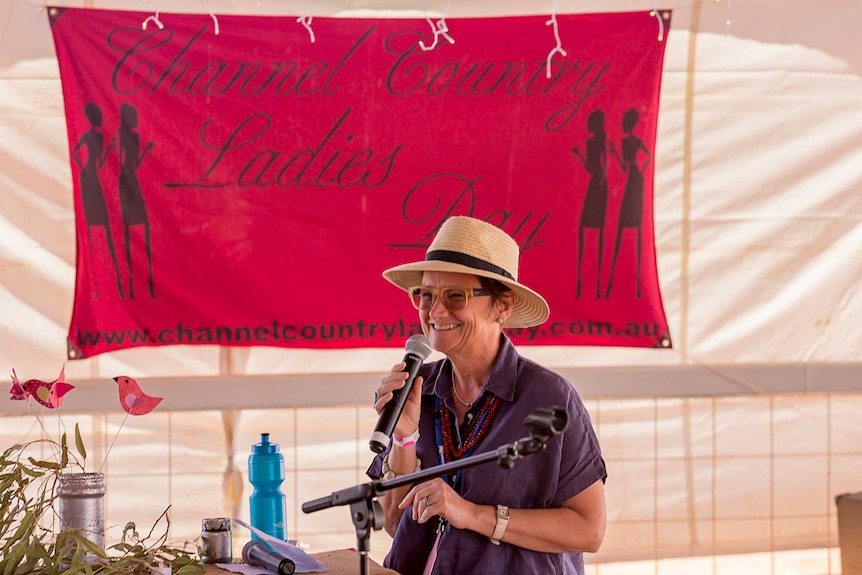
(686, 179)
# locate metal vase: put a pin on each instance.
(82, 504)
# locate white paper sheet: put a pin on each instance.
(304, 562)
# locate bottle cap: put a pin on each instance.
(264, 447)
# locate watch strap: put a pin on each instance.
(502, 523)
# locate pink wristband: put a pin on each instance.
(406, 441)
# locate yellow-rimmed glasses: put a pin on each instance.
(454, 298)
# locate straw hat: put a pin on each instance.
(470, 246)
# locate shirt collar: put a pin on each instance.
(501, 381)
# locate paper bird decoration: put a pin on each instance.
(17, 392)
(133, 400)
(48, 394)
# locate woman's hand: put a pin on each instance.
(436, 497)
(409, 420)
(402, 460)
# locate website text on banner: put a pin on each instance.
(248, 188)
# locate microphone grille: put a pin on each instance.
(418, 345)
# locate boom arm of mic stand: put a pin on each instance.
(505, 455)
(366, 511)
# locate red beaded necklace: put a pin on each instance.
(478, 430)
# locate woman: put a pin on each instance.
(131, 197)
(596, 200)
(92, 196)
(632, 208)
(539, 516)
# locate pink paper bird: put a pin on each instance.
(49, 394)
(133, 400)
(59, 389)
(17, 392)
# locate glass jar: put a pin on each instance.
(216, 544)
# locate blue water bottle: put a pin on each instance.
(267, 504)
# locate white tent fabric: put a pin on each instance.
(758, 233)
(757, 211)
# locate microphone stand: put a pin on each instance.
(366, 511)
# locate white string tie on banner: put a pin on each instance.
(654, 12)
(154, 18)
(559, 47)
(305, 20)
(40, 5)
(728, 22)
(212, 15)
(439, 28)
(306, 23)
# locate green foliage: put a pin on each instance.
(28, 545)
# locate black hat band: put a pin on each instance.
(465, 260)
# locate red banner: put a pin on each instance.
(249, 187)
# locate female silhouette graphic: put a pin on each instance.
(596, 200)
(631, 211)
(92, 196)
(131, 197)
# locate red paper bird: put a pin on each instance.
(134, 400)
(17, 392)
(49, 394)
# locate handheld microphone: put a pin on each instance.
(256, 553)
(418, 349)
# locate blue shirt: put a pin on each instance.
(571, 463)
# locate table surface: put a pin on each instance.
(341, 562)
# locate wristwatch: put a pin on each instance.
(502, 523)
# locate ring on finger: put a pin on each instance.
(425, 501)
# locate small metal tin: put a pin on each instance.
(216, 542)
